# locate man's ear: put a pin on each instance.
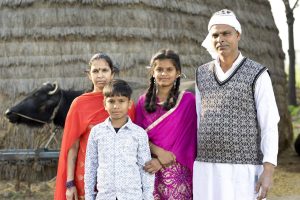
(238, 35)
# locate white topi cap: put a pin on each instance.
(221, 17)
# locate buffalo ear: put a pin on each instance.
(55, 84)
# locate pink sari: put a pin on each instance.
(176, 131)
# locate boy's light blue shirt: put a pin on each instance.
(115, 162)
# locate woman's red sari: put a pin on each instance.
(86, 111)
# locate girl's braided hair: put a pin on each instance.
(150, 101)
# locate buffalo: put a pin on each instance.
(47, 104)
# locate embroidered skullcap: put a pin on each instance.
(221, 17)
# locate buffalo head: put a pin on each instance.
(38, 107)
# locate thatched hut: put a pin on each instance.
(53, 40)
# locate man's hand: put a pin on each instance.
(264, 182)
(152, 166)
(71, 193)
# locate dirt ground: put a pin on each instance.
(37, 191)
(286, 183)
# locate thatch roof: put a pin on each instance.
(54, 39)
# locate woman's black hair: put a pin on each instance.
(102, 56)
(150, 101)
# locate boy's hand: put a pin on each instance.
(166, 158)
(71, 193)
(152, 166)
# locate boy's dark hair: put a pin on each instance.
(117, 87)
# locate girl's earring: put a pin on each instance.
(182, 75)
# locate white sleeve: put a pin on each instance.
(268, 117)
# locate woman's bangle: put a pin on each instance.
(70, 184)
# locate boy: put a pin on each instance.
(117, 150)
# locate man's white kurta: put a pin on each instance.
(222, 181)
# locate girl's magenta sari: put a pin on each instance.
(176, 131)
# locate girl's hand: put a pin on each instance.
(153, 166)
(71, 193)
(166, 158)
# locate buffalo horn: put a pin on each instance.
(54, 90)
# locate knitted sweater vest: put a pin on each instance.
(228, 130)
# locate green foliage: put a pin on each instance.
(297, 77)
(294, 110)
(297, 74)
(295, 114)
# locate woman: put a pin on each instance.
(169, 117)
(86, 111)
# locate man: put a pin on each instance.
(238, 117)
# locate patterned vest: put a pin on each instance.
(228, 130)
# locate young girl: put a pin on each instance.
(86, 111)
(169, 117)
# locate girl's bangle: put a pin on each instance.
(159, 161)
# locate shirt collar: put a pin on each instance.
(128, 124)
(219, 70)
